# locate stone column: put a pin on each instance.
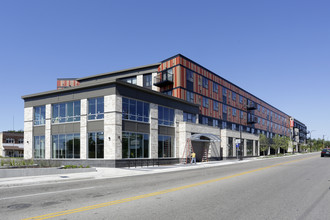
(245, 147)
(48, 134)
(83, 129)
(155, 88)
(112, 127)
(28, 133)
(153, 139)
(178, 118)
(139, 80)
(234, 147)
(224, 143)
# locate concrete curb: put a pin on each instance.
(17, 172)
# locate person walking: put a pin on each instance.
(193, 158)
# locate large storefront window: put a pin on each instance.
(256, 149)
(135, 110)
(135, 145)
(165, 146)
(66, 112)
(66, 146)
(95, 145)
(165, 116)
(249, 147)
(96, 108)
(39, 115)
(230, 147)
(39, 147)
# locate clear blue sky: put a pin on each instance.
(278, 50)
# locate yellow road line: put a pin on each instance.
(86, 208)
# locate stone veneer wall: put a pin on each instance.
(28, 132)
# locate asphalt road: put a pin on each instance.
(287, 188)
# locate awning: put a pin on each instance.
(205, 137)
(13, 148)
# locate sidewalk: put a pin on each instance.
(104, 173)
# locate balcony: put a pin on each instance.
(251, 105)
(252, 119)
(164, 78)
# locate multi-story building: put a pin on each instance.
(298, 133)
(148, 112)
(12, 144)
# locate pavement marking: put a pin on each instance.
(38, 194)
(101, 205)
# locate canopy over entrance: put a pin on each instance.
(205, 137)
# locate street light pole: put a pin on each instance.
(240, 140)
(310, 140)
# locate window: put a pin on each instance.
(165, 146)
(224, 91)
(234, 111)
(224, 109)
(263, 109)
(215, 87)
(205, 120)
(66, 146)
(190, 75)
(165, 116)
(240, 99)
(21, 141)
(131, 80)
(39, 115)
(168, 92)
(233, 127)
(233, 96)
(39, 147)
(241, 114)
(249, 147)
(224, 125)
(96, 108)
(190, 80)
(230, 146)
(135, 110)
(205, 83)
(147, 80)
(259, 120)
(215, 106)
(188, 117)
(190, 96)
(205, 102)
(66, 112)
(135, 145)
(215, 123)
(263, 121)
(10, 140)
(95, 145)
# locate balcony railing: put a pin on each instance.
(251, 105)
(252, 119)
(163, 79)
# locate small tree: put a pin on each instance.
(285, 143)
(264, 143)
(277, 142)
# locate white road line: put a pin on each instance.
(38, 194)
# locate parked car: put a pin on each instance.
(325, 152)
